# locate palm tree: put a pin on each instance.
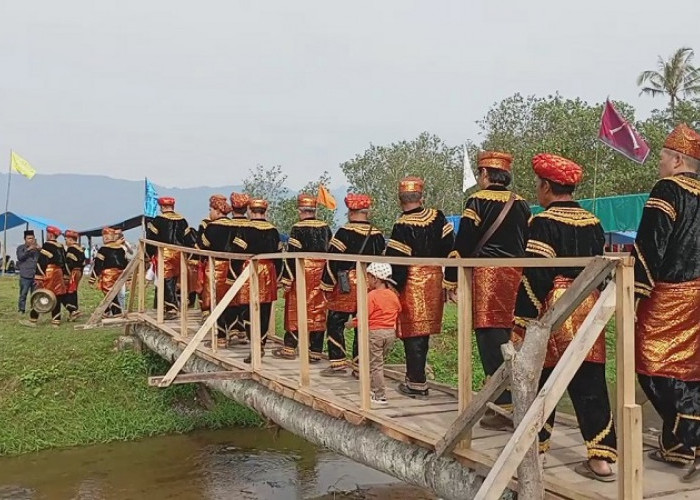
(674, 77)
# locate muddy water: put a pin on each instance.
(241, 464)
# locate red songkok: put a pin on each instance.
(166, 201)
(258, 203)
(495, 159)
(239, 200)
(684, 140)
(218, 202)
(70, 233)
(53, 230)
(358, 201)
(411, 185)
(557, 169)
(306, 201)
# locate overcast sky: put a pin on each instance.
(197, 92)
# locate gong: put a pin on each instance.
(43, 300)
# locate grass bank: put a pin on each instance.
(63, 387)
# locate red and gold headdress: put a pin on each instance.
(557, 169)
(306, 201)
(258, 203)
(411, 185)
(166, 201)
(684, 140)
(358, 201)
(218, 202)
(239, 200)
(71, 233)
(53, 230)
(495, 159)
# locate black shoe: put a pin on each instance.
(412, 393)
(249, 358)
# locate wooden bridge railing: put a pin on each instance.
(521, 370)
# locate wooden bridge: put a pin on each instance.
(433, 443)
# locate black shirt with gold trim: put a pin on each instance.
(667, 247)
(168, 227)
(308, 235)
(349, 240)
(255, 237)
(75, 257)
(480, 213)
(564, 229)
(52, 252)
(109, 256)
(216, 235)
(421, 232)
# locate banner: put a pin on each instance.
(468, 179)
(325, 198)
(150, 200)
(21, 166)
(617, 133)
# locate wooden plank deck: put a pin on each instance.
(424, 422)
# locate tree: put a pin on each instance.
(673, 78)
(526, 126)
(268, 183)
(287, 212)
(379, 169)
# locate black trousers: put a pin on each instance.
(171, 295)
(335, 327)
(291, 340)
(678, 404)
(589, 394)
(55, 312)
(416, 349)
(489, 342)
(70, 301)
(265, 311)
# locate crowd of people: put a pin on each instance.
(407, 301)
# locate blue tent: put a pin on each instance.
(621, 237)
(14, 220)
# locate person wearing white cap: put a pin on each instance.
(383, 307)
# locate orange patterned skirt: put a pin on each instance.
(421, 302)
(75, 276)
(560, 340)
(108, 277)
(53, 280)
(195, 276)
(315, 303)
(495, 291)
(267, 280)
(171, 263)
(220, 285)
(668, 331)
(344, 302)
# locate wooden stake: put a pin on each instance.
(255, 326)
(96, 315)
(142, 277)
(160, 300)
(363, 336)
(302, 321)
(629, 435)
(184, 292)
(464, 344)
(212, 301)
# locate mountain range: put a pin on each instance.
(88, 201)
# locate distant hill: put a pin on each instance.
(88, 201)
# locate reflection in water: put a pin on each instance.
(232, 464)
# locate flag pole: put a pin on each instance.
(595, 179)
(7, 207)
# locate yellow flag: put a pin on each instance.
(21, 166)
(325, 198)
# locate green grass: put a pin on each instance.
(63, 387)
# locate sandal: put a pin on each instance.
(691, 474)
(657, 456)
(584, 469)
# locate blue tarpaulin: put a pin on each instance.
(35, 222)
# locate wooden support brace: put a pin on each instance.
(255, 326)
(96, 315)
(465, 324)
(548, 396)
(142, 277)
(363, 336)
(191, 378)
(204, 329)
(160, 289)
(184, 294)
(212, 301)
(302, 322)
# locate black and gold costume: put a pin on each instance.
(667, 282)
(494, 288)
(168, 227)
(257, 237)
(52, 274)
(110, 262)
(75, 262)
(195, 271)
(348, 239)
(308, 235)
(564, 229)
(421, 232)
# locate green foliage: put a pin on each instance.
(63, 387)
(379, 169)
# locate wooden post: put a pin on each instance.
(363, 336)
(464, 343)
(629, 425)
(160, 294)
(142, 277)
(255, 326)
(302, 321)
(184, 292)
(212, 301)
(272, 327)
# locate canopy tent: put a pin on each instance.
(15, 219)
(124, 225)
(621, 237)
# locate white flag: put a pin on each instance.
(468, 179)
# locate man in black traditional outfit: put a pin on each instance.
(110, 262)
(565, 229)
(75, 261)
(667, 284)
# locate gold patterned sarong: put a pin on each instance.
(668, 331)
(267, 281)
(220, 283)
(495, 291)
(315, 303)
(194, 277)
(108, 277)
(560, 339)
(422, 302)
(75, 277)
(344, 302)
(171, 263)
(53, 280)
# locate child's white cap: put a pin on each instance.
(381, 271)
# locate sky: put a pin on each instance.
(197, 93)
